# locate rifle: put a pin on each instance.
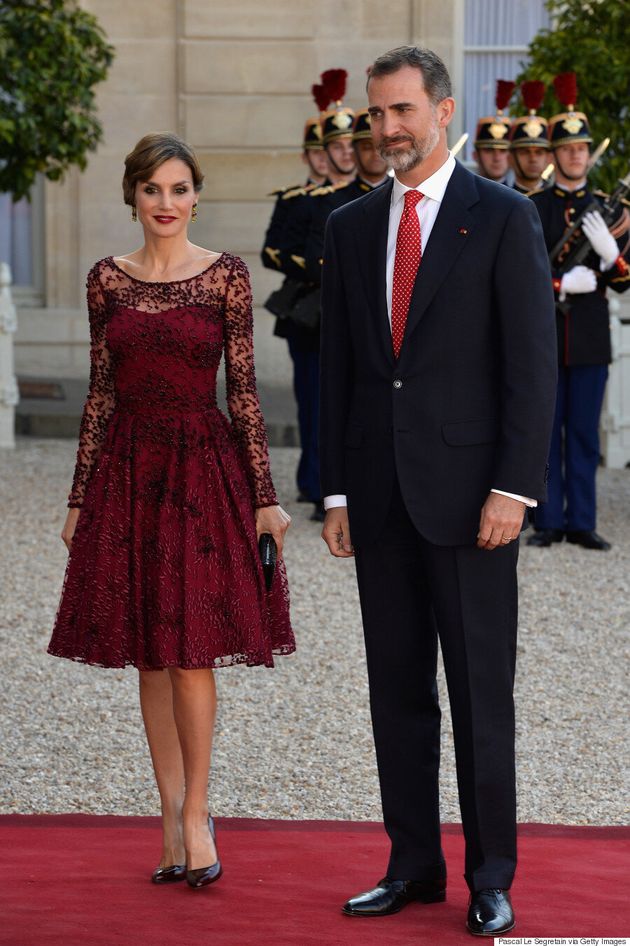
(573, 247)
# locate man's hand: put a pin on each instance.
(501, 521)
(336, 532)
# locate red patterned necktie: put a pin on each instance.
(406, 262)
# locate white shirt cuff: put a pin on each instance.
(333, 502)
(532, 503)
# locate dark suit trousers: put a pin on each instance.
(412, 592)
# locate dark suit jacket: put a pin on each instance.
(469, 404)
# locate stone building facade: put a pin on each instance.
(233, 78)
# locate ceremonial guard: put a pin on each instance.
(337, 125)
(528, 141)
(301, 324)
(491, 138)
(371, 173)
(327, 141)
(314, 156)
(591, 229)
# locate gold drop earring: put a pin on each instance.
(193, 215)
(134, 214)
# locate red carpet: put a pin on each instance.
(80, 880)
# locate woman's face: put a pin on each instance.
(164, 203)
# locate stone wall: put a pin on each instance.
(233, 78)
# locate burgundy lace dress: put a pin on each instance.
(164, 569)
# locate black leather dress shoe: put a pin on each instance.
(589, 540)
(542, 538)
(390, 896)
(202, 876)
(169, 875)
(490, 913)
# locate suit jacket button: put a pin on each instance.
(397, 383)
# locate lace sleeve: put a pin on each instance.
(242, 396)
(100, 400)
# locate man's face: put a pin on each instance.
(405, 123)
(529, 163)
(341, 155)
(317, 162)
(368, 158)
(492, 162)
(572, 160)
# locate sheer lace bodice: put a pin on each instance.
(155, 350)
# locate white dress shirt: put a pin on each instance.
(433, 189)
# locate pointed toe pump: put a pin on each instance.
(202, 876)
(169, 875)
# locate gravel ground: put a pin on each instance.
(295, 742)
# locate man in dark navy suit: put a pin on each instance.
(438, 385)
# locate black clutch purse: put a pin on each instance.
(268, 556)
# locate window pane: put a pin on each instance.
(494, 23)
(16, 239)
(503, 22)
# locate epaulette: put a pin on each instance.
(322, 191)
(340, 185)
(293, 192)
(277, 192)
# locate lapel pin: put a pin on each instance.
(463, 231)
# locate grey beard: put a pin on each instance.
(417, 153)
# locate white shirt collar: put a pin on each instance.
(434, 187)
(571, 190)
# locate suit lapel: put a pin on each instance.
(447, 239)
(372, 251)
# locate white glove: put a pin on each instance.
(600, 238)
(577, 280)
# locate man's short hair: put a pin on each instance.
(437, 82)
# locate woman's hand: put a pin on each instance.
(275, 520)
(69, 526)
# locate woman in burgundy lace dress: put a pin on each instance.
(169, 497)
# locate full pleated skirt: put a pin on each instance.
(164, 569)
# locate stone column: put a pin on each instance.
(8, 384)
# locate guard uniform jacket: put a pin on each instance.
(584, 327)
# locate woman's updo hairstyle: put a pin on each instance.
(147, 156)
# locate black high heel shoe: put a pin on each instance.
(202, 876)
(168, 875)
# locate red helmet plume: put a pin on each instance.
(503, 93)
(533, 93)
(566, 88)
(321, 96)
(334, 81)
